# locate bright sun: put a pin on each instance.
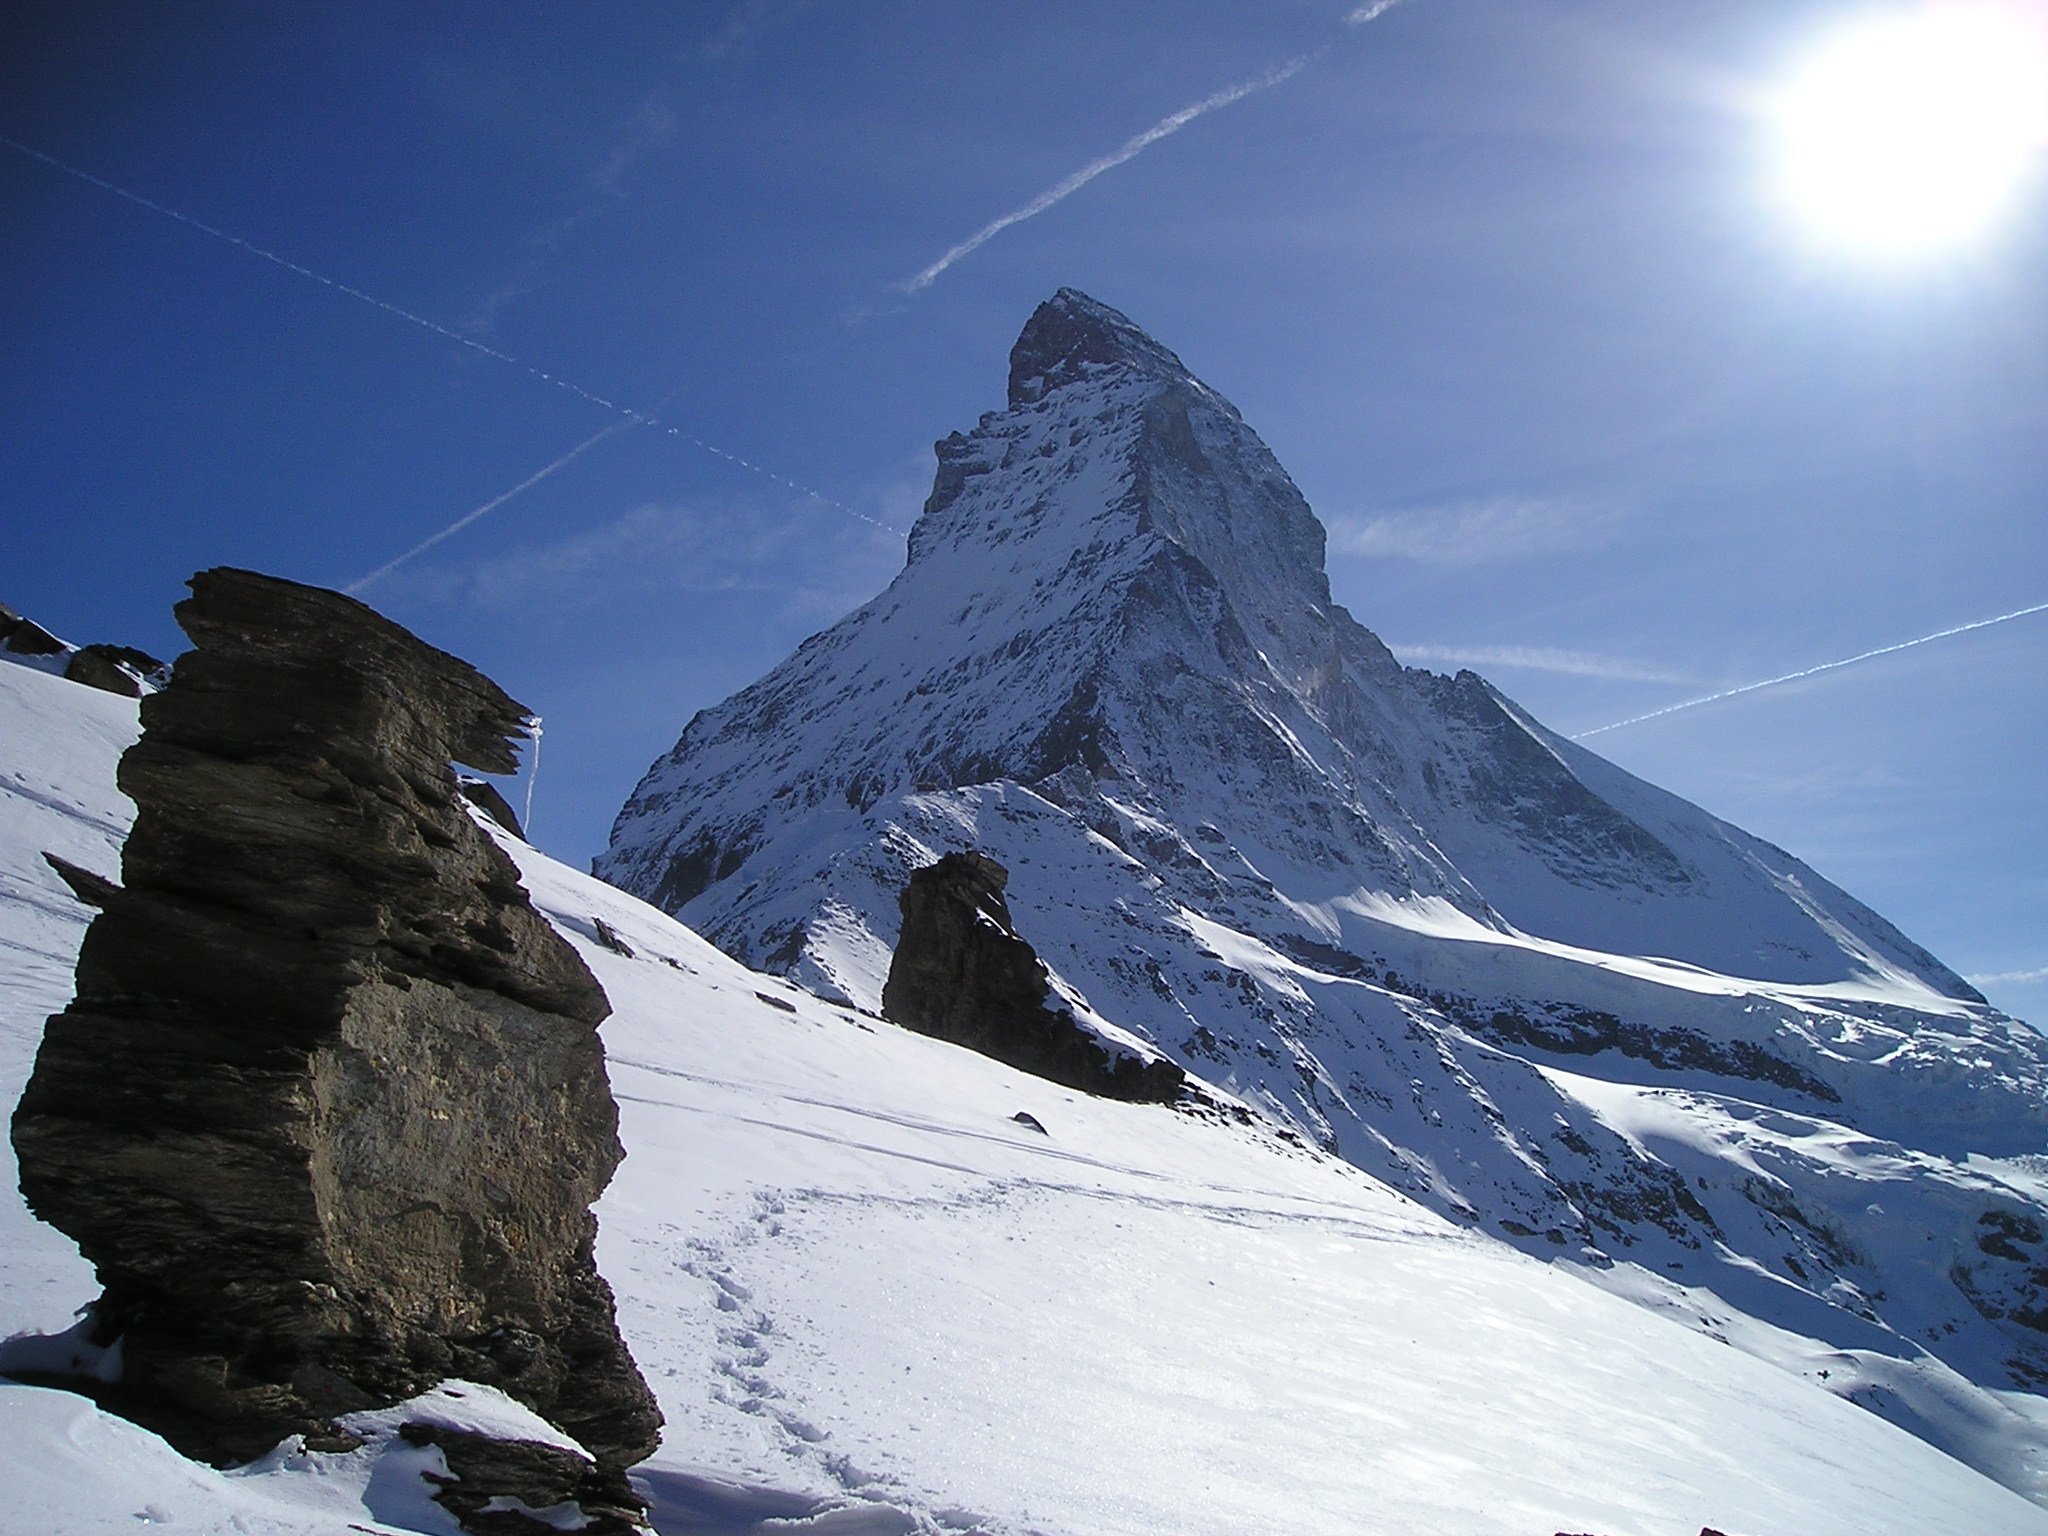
(1913, 130)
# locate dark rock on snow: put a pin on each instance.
(25, 637)
(488, 1476)
(329, 1109)
(484, 795)
(962, 974)
(111, 668)
(116, 669)
(94, 890)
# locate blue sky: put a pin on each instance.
(1500, 282)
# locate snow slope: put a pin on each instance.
(873, 1301)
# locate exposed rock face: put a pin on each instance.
(25, 637)
(329, 1109)
(961, 973)
(111, 668)
(94, 890)
(484, 795)
(522, 1487)
(116, 669)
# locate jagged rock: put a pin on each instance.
(611, 938)
(94, 890)
(961, 973)
(484, 795)
(329, 1109)
(525, 1488)
(25, 637)
(116, 669)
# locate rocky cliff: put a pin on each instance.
(329, 1109)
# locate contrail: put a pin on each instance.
(632, 416)
(1826, 666)
(490, 506)
(1372, 10)
(1132, 146)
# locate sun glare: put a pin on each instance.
(1917, 128)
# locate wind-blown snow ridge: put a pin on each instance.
(1387, 907)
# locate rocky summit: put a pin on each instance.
(329, 1109)
(1386, 908)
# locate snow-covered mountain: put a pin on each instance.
(1385, 906)
(873, 1301)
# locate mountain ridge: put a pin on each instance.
(1384, 906)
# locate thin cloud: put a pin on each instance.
(1541, 658)
(1136, 145)
(655, 552)
(750, 14)
(2008, 978)
(746, 25)
(1474, 532)
(652, 125)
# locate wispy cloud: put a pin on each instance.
(1475, 532)
(651, 126)
(1540, 658)
(746, 24)
(2008, 978)
(484, 349)
(1135, 145)
(1372, 10)
(658, 552)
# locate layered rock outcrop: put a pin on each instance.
(961, 973)
(329, 1109)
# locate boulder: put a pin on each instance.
(962, 973)
(25, 637)
(116, 669)
(329, 1110)
(486, 797)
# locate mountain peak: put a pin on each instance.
(1072, 336)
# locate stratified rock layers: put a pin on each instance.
(329, 1109)
(962, 973)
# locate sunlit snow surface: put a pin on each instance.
(870, 1300)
